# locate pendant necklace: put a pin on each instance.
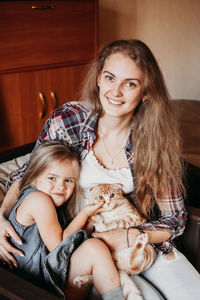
(110, 156)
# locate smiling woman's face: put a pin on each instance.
(120, 86)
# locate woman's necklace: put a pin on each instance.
(112, 158)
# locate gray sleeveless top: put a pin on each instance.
(48, 270)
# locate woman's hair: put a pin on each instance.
(156, 140)
(41, 158)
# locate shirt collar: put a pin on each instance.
(90, 123)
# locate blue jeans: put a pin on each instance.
(176, 279)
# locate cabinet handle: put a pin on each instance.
(55, 102)
(43, 7)
(44, 106)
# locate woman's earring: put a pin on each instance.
(144, 100)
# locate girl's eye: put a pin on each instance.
(112, 195)
(100, 197)
(68, 180)
(51, 178)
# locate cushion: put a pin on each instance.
(6, 169)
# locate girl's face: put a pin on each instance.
(120, 86)
(58, 181)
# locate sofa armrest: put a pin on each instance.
(194, 213)
(12, 287)
(190, 240)
(10, 161)
(16, 152)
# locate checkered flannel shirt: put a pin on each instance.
(75, 124)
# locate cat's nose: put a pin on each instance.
(107, 198)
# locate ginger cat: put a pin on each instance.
(121, 214)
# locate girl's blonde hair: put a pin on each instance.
(41, 158)
(156, 140)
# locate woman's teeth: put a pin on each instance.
(114, 101)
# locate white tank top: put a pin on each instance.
(93, 173)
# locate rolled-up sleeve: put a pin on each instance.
(171, 217)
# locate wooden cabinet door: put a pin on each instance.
(63, 85)
(44, 48)
(20, 109)
(40, 33)
(28, 98)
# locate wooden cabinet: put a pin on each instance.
(44, 49)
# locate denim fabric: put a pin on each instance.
(45, 269)
(177, 279)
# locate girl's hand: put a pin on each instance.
(92, 209)
(6, 230)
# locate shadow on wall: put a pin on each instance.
(114, 25)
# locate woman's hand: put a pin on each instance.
(6, 230)
(116, 239)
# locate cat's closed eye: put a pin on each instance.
(100, 197)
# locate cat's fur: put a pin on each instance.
(121, 214)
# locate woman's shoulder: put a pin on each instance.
(72, 109)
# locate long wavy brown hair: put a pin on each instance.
(156, 140)
(40, 160)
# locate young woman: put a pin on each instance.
(47, 201)
(126, 133)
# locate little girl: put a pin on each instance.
(56, 247)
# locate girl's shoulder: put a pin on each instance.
(37, 197)
(26, 194)
(33, 200)
(37, 205)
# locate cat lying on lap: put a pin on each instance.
(121, 213)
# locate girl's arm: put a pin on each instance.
(80, 220)
(40, 208)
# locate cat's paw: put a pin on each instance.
(81, 281)
(101, 227)
(142, 238)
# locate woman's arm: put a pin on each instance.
(10, 199)
(6, 229)
(117, 239)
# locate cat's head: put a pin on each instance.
(109, 193)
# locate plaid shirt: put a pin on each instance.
(75, 124)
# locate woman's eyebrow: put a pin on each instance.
(134, 79)
(109, 73)
(127, 79)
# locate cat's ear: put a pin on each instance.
(117, 185)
